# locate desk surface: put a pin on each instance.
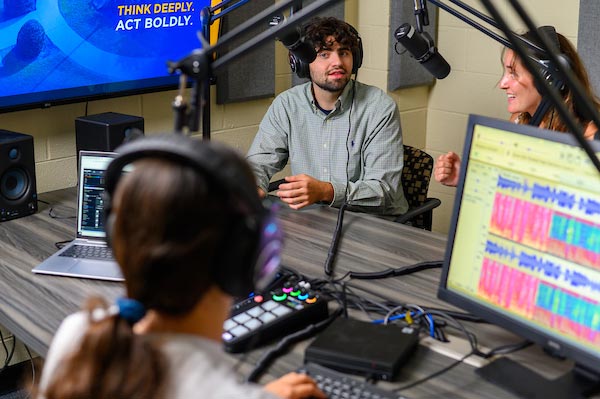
(32, 306)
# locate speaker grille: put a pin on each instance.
(14, 184)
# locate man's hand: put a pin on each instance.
(302, 190)
(295, 386)
(261, 193)
(447, 169)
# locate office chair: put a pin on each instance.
(416, 175)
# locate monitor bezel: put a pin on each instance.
(553, 345)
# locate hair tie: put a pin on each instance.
(131, 310)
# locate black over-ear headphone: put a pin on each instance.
(302, 69)
(250, 256)
(548, 69)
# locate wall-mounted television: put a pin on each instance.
(62, 51)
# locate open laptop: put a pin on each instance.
(88, 256)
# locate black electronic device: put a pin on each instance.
(523, 249)
(106, 131)
(286, 306)
(359, 347)
(18, 193)
(339, 386)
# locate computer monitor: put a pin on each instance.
(524, 245)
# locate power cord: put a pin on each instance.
(267, 358)
(51, 212)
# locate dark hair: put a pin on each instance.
(319, 29)
(169, 227)
(552, 120)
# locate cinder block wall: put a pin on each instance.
(432, 118)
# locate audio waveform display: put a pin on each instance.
(543, 228)
(551, 306)
(548, 194)
(537, 264)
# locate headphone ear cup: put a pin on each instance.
(357, 55)
(258, 243)
(299, 67)
(109, 216)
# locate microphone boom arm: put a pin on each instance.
(517, 43)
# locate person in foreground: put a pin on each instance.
(342, 138)
(524, 99)
(185, 226)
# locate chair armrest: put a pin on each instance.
(428, 205)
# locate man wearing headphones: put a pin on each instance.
(342, 138)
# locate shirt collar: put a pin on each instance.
(343, 102)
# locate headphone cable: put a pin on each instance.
(337, 233)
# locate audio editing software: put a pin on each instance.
(93, 205)
(530, 213)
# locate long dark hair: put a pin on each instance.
(551, 119)
(169, 222)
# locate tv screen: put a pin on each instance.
(61, 51)
(524, 244)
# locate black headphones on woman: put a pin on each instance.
(250, 256)
(302, 69)
(548, 69)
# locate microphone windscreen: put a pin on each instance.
(437, 66)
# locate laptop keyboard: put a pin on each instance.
(88, 252)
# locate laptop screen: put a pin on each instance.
(90, 217)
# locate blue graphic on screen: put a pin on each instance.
(55, 50)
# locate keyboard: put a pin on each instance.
(339, 386)
(88, 252)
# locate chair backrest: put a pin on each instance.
(416, 175)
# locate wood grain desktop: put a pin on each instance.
(32, 306)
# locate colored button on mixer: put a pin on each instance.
(280, 297)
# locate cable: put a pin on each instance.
(55, 216)
(435, 374)
(505, 349)
(267, 358)
(61, 244)
(32, 368)
(401, 271)
(337, 233)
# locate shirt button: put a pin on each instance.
(325, 145)
(325, 170)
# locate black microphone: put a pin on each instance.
(421, 47)
(302, 49)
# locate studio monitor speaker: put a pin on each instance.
(18, 195)
(106, 131)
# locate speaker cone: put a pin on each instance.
(14, 184)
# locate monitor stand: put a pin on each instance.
(526, 383)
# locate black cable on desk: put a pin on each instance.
(267, 358)
(400, 271)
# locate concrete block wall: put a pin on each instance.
(54, 128)
(433, 118)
